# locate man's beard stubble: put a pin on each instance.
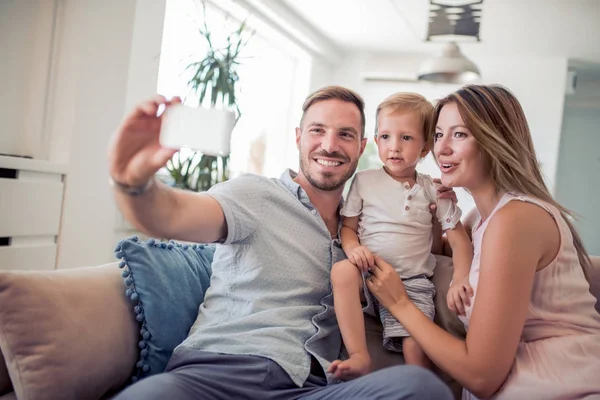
(328, 185)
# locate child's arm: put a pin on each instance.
(358, 254)
(440, 242)
(437, 244)
(349, 234)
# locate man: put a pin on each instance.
(267, 328)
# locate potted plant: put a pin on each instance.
(214, 80)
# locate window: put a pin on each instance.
(274, 79)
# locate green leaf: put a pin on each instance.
(216, 74)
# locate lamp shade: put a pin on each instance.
(451, 66)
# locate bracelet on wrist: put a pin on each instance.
(129, 189)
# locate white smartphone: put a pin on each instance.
(198, 128)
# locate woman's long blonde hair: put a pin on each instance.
(495, 118)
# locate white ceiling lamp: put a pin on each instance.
(450, 66)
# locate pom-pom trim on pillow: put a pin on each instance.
(142, 366)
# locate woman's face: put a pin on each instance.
(457, 152)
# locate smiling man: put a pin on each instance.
(267, 328)
(331, 134)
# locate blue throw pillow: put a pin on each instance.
(166, 283)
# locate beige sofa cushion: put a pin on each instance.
(443, 316)
(68, 334)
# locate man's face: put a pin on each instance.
(330, 143)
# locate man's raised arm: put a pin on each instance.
(135, 155)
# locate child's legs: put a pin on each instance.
(347, 285)
(420, 291)
(413, 355)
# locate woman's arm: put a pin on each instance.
(516, 239)
(468, 221)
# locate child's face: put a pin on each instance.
(401, 142)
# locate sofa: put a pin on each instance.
(73, 334)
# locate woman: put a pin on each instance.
(532, 330)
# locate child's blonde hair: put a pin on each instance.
(409, 102)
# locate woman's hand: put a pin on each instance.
(459, 295)
(386, 285)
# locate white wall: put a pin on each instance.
(538, 83)
(99, 61)
(321, 75)
(26, 31)
(101, 58)
(107, 60)
(577, 180)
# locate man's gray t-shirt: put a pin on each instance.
(270, 292)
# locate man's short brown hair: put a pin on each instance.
(409, 102)
(339, 93)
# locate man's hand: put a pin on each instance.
(459, 295)
(362, 258)
(135, 153)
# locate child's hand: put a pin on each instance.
(362, 258)
(444, 192)
(459, 295)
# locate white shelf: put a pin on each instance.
(31, 203)
(27, 164)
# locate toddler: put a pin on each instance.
(387, 213)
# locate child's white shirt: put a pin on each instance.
(394, 219)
